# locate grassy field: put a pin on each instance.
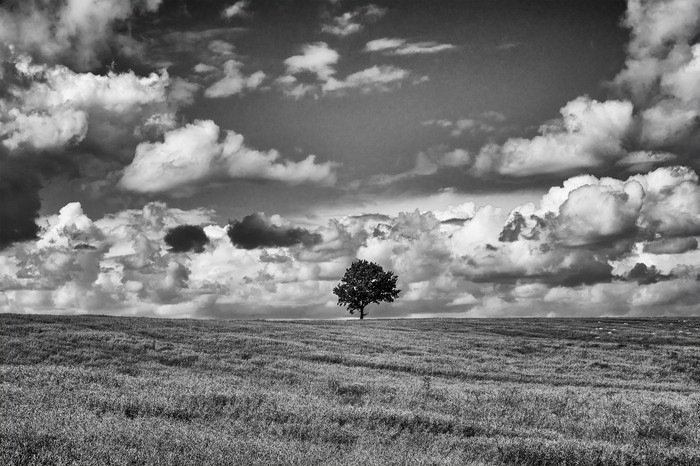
(105, 390)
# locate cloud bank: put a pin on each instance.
(589, 247)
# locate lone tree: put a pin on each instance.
(365, 283)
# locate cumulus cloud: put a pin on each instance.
(61, 108)
(352, 22)
(590, 134)
(195, 156)
(319, 61)
(659, 52)
(256, 231)
(394, 46)
(58, 121)
(236, 10)
(586, 211)
(555, 257)
(75, 31)
(43, 130)
(234, 81)
(185, 238)
(316, 58)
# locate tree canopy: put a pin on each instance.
(364, 283)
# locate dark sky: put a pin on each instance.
(520, 59)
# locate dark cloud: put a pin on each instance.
(255, 231)
(586, 272)
(185, 238)
(671, 246)
(645, 275)
(20, 202)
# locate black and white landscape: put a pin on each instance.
(317, 199)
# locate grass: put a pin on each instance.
(105, 390)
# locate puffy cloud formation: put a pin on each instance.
(73, 30)
(113, 265)
(319, 61)
(193, 156)
(52, 117)
(659, 52)
(316, 58)
(590, 247)
(590, 134)
(393, 46)
(236, 10)
(61, 108)
(56, 121)
(234, 81)
(663, 69)
(352, 22)
(256, 231)
(66, 126)
(185, 238)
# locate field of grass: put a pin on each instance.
(105, 390)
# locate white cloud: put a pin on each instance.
(193, 156)
(320, 60)
(662, 203)
(66, 126)
(234, 81)
(316, 58)
(594, 213)
(377, 78)
(395, 46)
(590, 134)
(236, 10)
(660, 34)
(352, 22)
(58, 108)
(203, 68)
(120, 263)
(73, 30)
(383, 44)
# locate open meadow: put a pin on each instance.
(106, 390)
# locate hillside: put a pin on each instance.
(106, 390)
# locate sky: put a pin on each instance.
(231, 159)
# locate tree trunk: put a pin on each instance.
(362, 313)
